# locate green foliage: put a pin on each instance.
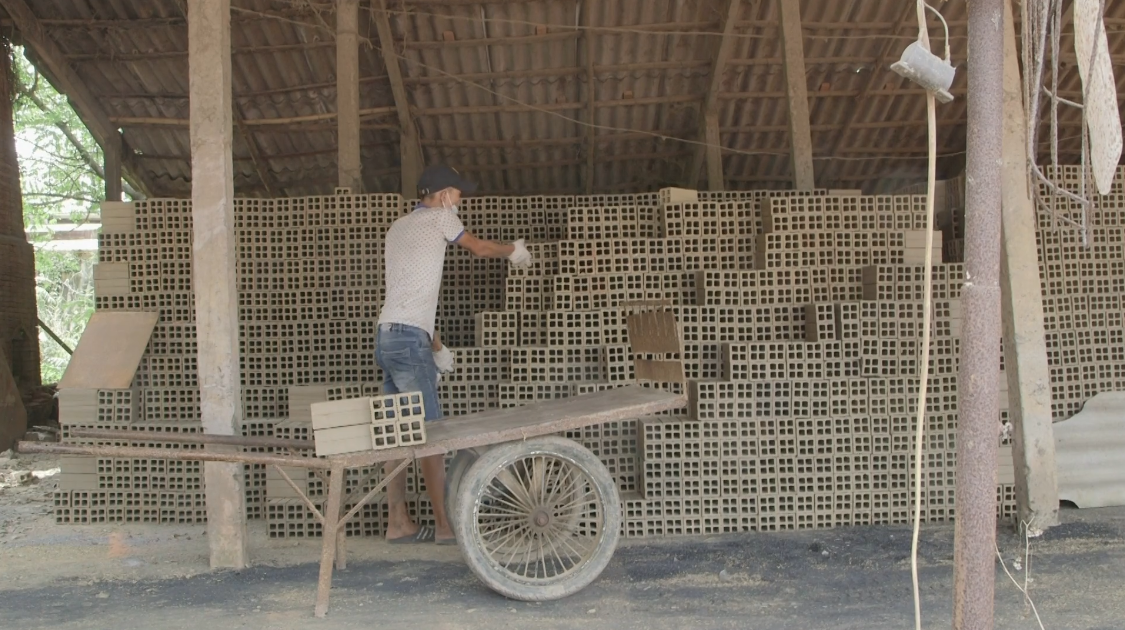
(61, 181)
(64, 289)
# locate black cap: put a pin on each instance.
(439, 177)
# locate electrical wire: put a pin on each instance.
(927, 305)
(583, 123)
(556, 27)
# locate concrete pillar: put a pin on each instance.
(216, 295)
(19, 331)
(347, 94)
(1025, 344)
(112, 170)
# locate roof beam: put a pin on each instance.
(410, 149)
(591, 96)
(53, 63)
(111, 171)
(711, 151)
(796, 86)
(349, 166)
(877, 73)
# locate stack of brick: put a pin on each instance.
(801, 317)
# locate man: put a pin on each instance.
(406, 347)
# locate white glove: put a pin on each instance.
(521, 257)
(444, 360)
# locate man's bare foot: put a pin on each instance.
(401, 531)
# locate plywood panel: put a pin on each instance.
(110, 350)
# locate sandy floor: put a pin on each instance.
(137, 576)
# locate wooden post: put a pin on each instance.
(591, 96)
(710, 152)
(329, 541)
(410, 149)
(112, 169)
(213, 251)
(347, 95)
(1025, 344)
(714, 151)
(796, 87)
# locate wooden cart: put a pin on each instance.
(536, 516)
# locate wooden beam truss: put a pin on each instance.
(710, 152)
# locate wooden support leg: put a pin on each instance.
(328, 547)
(342, 546)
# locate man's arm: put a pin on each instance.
(484, 248)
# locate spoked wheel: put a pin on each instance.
(538, 520)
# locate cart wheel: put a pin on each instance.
(461, 463)
(538, 520)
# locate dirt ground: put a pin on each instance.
(128, 576)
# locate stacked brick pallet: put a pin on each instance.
(1083, 293)
(801, 319)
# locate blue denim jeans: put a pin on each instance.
(404, 354)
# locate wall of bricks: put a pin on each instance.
(801, 319)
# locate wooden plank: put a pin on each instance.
(659, 371)
(800, 135)
(132, 452)
(653, 332)
(536, 419)
(481, 429)
(543, 418)
(109, 351)
(1025, 340)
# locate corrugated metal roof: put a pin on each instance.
(500, 88)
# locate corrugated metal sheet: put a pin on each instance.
(499, 89)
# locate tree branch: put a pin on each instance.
(89, 159)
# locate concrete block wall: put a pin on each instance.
(800, 317)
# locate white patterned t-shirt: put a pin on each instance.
(415, 258)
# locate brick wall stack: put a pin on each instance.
(801, 319)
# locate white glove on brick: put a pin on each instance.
(444, 360)
(521, 257)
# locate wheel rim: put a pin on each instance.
(539, 518)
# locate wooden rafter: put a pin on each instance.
(591, 96)
(256, 158)
(796, 86)
(711, 152)
(349, 162)
(53, 63)
(410, 149)
(877, 73)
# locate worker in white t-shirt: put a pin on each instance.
(406, 348)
